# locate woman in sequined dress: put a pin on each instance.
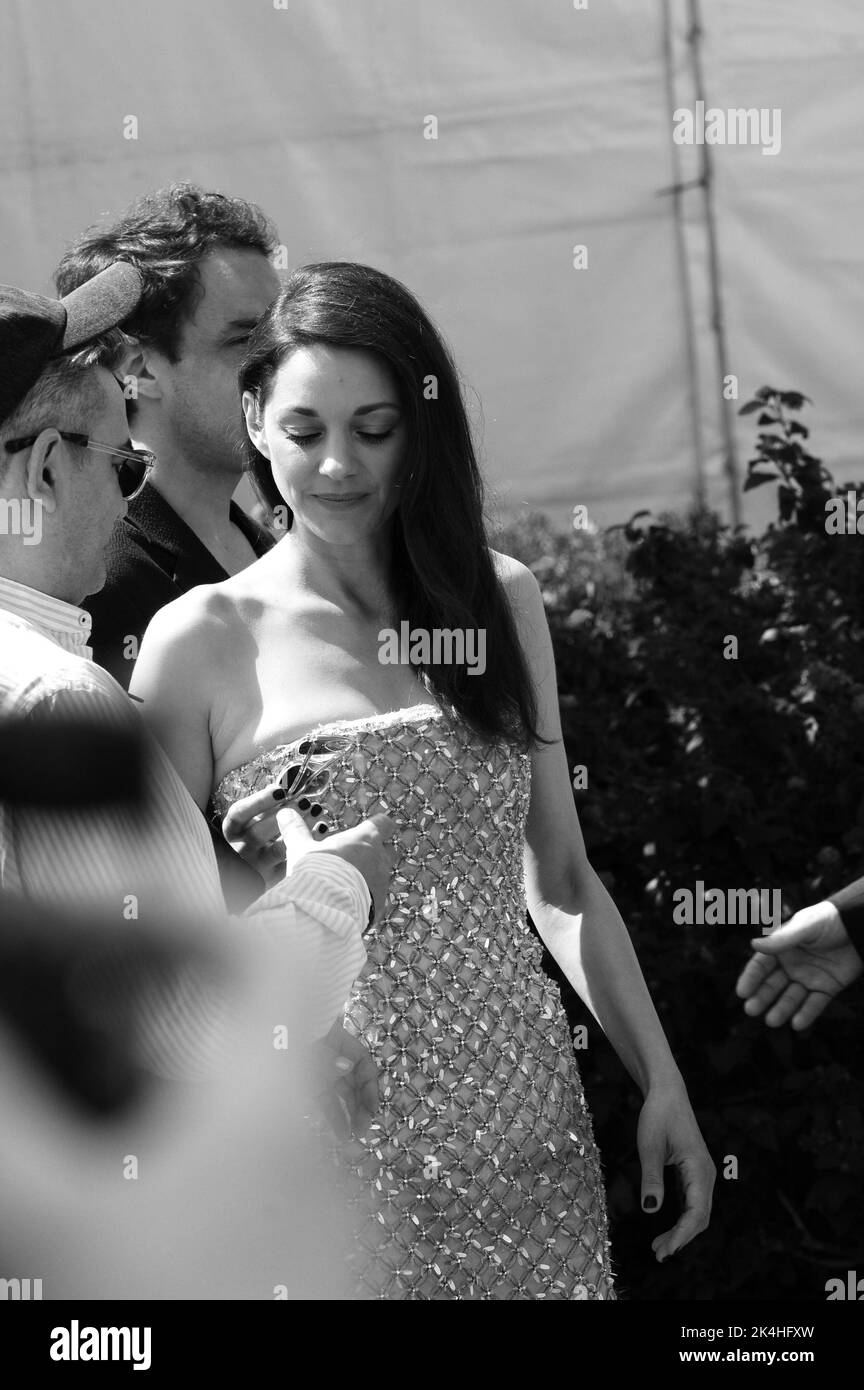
(384, 625)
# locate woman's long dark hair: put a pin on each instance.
(443, 573)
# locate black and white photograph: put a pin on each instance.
(431, 670)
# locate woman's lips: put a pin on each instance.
(347, 499)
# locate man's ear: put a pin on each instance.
(137, 365)
(254, 427)
(42, 471)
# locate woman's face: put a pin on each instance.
(334, 433)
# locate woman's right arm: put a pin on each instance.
(174, 681)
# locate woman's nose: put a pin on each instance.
(338, 461)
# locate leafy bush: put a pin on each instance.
(743, 771)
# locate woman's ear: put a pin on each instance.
(137, 366)
(254, 426)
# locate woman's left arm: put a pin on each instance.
(581, 927)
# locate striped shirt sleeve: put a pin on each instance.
(320, 909)
(155, 861)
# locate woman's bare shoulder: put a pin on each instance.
(516, 578)
(196, 628)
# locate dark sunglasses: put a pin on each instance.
(313, 773)
(133, 465)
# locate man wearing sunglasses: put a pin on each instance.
(65, 450)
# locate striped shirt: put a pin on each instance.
(155, 862)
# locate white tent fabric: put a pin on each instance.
(553, 130)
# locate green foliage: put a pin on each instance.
(744, 772)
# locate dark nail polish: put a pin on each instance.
(650, 1204)
(321, 829)
(315, 810)
(279, 794)
(304, 803)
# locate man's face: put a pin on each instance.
(200, 403)
(91, 500)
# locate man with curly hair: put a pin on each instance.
(205, 262)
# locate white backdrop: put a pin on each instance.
(553, 129)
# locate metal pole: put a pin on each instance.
(717, 319)
(677, 189)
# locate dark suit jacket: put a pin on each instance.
(154, 558)
(849, 902)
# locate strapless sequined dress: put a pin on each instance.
(479, 1178)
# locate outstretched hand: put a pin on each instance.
(799, 968)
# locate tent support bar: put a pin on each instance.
(718, 322)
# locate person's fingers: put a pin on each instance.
(253, 817)
(270, 861)
(787, 1003)
(274, 847)
(815, 1004)
(767, 992)
(295, 833)
(290, 822)
(383, 823)
(755, 971)
(792, 933)
(697, 1183)
(651, 1158)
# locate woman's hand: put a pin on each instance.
(668, 1134)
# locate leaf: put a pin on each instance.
(794, 399)
(756, 479)
(750, 407)
(786, 497)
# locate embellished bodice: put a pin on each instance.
(459, 806)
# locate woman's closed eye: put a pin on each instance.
(366, 435)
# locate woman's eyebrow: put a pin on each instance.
(378, 405)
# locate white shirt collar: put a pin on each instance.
(62, 622)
